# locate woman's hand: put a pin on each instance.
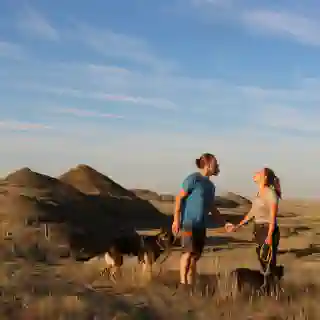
(269, 240)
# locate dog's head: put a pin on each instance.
(165, 238)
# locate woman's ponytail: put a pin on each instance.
(277, 187)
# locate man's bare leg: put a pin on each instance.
(185, 261)
(192, 272)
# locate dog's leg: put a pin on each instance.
(116, 269)
(115, 273)
(147, 267)
(106, 271)
(111, 266)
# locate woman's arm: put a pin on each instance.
(273, 216)
(244, 221)
(249, 216)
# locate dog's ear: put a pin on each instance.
(162, 232)
(280, 271)
(159, 234)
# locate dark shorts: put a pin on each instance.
(260, 235)
(193, 241)
(261, 232)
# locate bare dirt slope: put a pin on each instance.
(39, 279)
(89, 181)
(79, 213)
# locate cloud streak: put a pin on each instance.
(11, 50)
(288, 118)
(203, 105)
(158, 103)
(284, 24)
(35, 24)
(14, 125)
(215, 3)
(297, 25)
(86, 113)
(118, 45)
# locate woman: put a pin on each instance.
(264, 212)
(193, 204)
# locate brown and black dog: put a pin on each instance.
(147, 249)
(254, 280)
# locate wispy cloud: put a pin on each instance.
(105, 68)
(296, 22)
(11, 51)
(122, 46)
(259, 128)
(285, 24)
(215, 3)
(35, 24)
(14, 125)
(289, 118)
(86, 113)
(210, 103)
(153, 102)
(158, 103)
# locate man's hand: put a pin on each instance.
(176, 226)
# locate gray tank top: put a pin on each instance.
(261, 206)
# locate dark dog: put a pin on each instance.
(147, 249)
(255, 281)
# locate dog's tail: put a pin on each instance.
(167, 255)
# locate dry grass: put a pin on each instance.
(37, 284)
(41, 291)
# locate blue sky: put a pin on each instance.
(138, 89)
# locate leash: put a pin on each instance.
(266, 258)
(169, 252)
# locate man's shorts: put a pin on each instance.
(193, 241)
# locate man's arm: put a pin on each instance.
(187, 187)
(177, 208)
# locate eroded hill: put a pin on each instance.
(74, 215)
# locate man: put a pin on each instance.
(193, 204)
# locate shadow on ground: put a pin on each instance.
(219, 243)
(304, 252)
(206, 286)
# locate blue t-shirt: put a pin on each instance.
(196, 206)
